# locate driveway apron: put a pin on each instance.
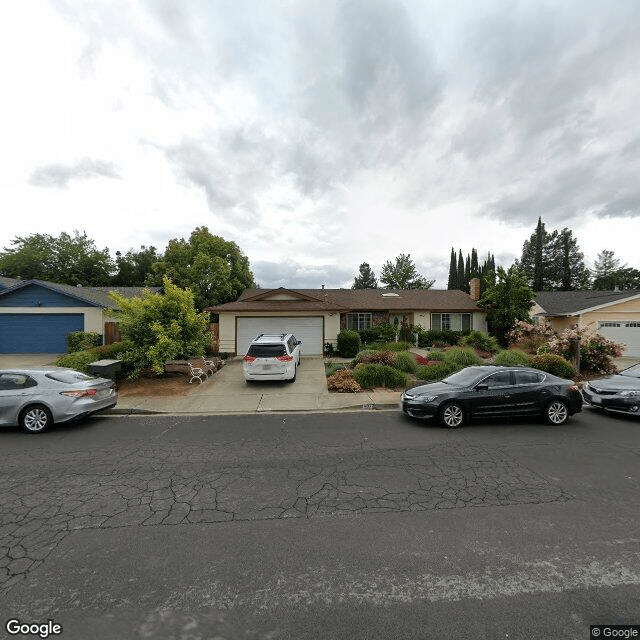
(228, 391)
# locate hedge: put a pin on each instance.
(511, 357)
(379, 375)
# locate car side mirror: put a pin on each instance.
(298, 341)
(482, 387)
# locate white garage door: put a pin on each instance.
(307, 329)
(626, 332)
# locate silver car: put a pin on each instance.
(37, 398)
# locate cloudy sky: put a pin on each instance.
(320, 135)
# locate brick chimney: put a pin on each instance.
(475, 288)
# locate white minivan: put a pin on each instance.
(272, 357)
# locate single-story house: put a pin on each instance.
(316, 316)
(36, 316)
(614, 314)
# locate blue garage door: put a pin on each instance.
(37, 332)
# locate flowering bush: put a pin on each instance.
(343, 381)
(596, 351)
(530, 337)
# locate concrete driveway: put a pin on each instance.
(27, 360)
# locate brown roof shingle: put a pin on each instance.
(353, 300)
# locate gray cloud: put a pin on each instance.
(296, 276)
(59, 175)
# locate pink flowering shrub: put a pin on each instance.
(596, 351)
(530, 337)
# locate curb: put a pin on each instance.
(149, 412)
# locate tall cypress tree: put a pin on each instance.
(467, 274)
(460, 270)
(475, 270)
(453, 271)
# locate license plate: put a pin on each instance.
(595, 400)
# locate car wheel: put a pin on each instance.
(557, 412)
(35, 419)
(452, 415)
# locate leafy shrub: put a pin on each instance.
(481, 341)
(78, 360)
(553, 364)
(334, 367)
(82, 340)
(511, 357)
(368, 356)
(437, 371)
(348, 343)
(111, 351)
(404, 361)
(431, 337)
(378, 333)
(343, 381)
(379, 375)
(463, 356)
(434, 354)
(161, 327)
(389, 346)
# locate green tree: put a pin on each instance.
(135, 267)
(366, 278)
(215, 269)
(460, 270)
(622, 278)
(402, 274)
(570, 271)
(509, 300)
(65, 259)
(605, 264)
(161, 327)
(537, 261)
(453, 271)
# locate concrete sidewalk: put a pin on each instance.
(226, 392)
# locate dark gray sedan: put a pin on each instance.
(493, 391)
(620, 392)
(35, 399)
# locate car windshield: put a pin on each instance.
(69, 377)
(266, 350)
(632, 372)
(463, 378)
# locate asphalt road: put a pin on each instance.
(347, 526)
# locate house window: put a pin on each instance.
(609, 323)
(358, 321)
(451, 321)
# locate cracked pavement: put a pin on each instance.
(157, 485)
(321, 526)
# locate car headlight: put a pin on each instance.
(426, 398)
(629, 394)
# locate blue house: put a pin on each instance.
(36, 316)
